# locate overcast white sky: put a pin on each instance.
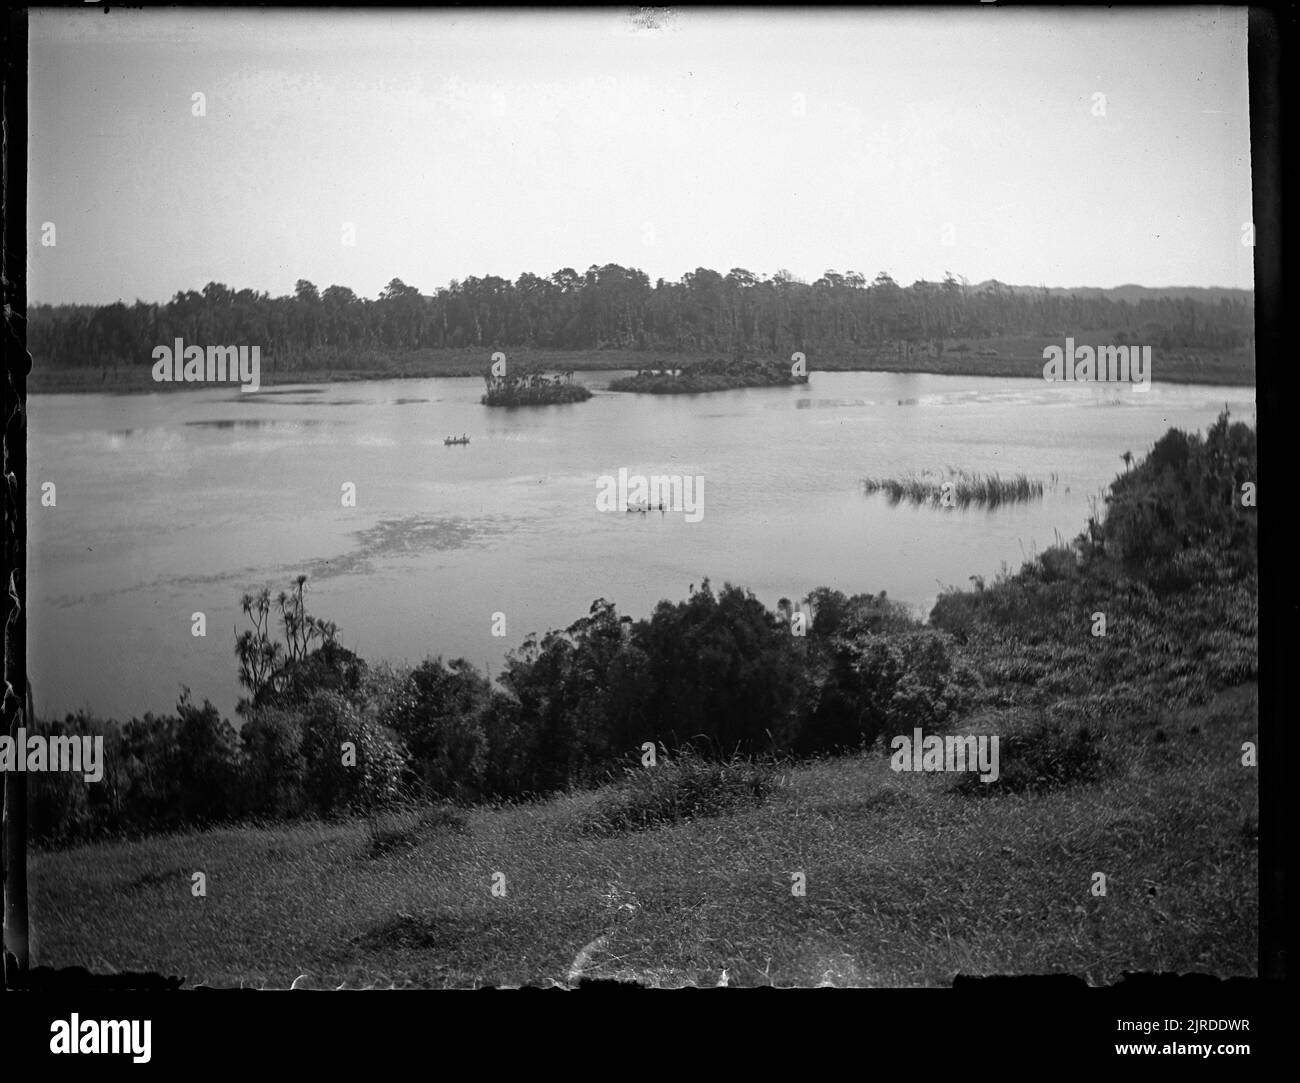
(458, 144)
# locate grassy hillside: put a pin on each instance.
(909, 882)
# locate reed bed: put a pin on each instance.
(965, 489)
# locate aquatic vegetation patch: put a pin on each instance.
(959, 489)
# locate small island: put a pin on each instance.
(532, 388)
(711, 375)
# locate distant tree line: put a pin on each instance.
(736, 314)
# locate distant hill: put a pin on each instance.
(1134, 293)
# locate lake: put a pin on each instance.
(176, 503)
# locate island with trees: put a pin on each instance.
(712, 375)
(532, 388)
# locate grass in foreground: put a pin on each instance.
(909, 881)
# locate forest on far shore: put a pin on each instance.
(738, 314)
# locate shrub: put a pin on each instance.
(1057, 563)
(905, 681)
(404, 828)
(836, 614)
(724, 668)
(329, 668)
(207, 763)
(333, 786)
(1185, 495)
(867, 683)
(57, 801)
(1051, 756)
(182, 768)
(956, 612)
(438, 712)
(577, 695)
(682, 788)
(274, 765)
(506, 762)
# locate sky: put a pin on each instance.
(1053, 146)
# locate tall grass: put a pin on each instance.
(983, 490)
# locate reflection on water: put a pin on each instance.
(173, 504)
(256, 400)
(259, 423)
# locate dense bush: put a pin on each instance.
(1055, 564)
(275, 767)
(508, 764)
(580, 699)
(685, 787)
(722, 668)
(1187, 495)
(183, 768)
(907, 680)
(159, 772)
(1174, 575)
(957, 612)
(1051, 756)
(437, 711)
(862, 614)
(331, 668)
(63, 807)
(335, 782)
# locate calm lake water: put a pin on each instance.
(172, 504)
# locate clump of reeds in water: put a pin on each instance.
(959, 489)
